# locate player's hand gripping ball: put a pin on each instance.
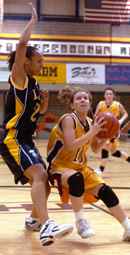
(111, 126)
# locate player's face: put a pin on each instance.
(36, 64)
(81, 102)
(109, 96)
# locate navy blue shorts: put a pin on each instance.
(19, 157)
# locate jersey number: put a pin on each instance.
(79, 156)
(36, 110)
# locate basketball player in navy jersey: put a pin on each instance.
(23, 108)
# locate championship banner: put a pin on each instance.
(118, 74)
(53, 73)
(86, 73)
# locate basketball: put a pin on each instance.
(112, 126)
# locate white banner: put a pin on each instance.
(86, 73)
(62, 48)
(102, 50)
(4, 72)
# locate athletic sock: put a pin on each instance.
(126, 223)
(79, 215)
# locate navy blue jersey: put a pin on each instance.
(22, 110)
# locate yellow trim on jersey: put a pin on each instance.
(17, 86)
(19, 106)
(12, 145)
(11, 123)
(19, 110)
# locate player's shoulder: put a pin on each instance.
(116, 103)
(101, 103)
(65, 118)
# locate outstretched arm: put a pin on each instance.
(18, 72)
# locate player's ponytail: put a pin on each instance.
(65, 95)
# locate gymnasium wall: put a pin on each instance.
(65, 18)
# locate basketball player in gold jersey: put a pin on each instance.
(109, 104)
(67, 157)
(23, 108)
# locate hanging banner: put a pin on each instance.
(82, 49)
(53, 73)
(117, 74)
(86, 73)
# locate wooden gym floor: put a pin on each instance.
(15, 204)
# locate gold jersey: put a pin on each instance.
(59, 157)
(113, 108)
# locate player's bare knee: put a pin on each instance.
(108, 196)
(65, 176)
(76, 184)
(40, 174)
(96, 189)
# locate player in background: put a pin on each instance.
(67, 151)
(110, 104)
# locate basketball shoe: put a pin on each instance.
(126, 235)
(98, 171)
(84, 229)
(32, 224)
(51, 230)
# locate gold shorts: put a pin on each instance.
(91, 181)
